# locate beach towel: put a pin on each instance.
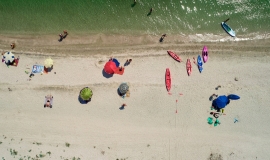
(37, 69)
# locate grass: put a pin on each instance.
(148, 145)
(67, 144)
(1, 142)
(49, 153)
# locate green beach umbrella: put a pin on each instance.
(86, 93)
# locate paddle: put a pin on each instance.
(226, 20)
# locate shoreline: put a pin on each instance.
(114, 44)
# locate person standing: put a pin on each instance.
(12, 45)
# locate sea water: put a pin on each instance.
(249, 18)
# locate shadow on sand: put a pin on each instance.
(120, 94)
(83, 101)
(106, 75)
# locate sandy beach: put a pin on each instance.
(149, 127)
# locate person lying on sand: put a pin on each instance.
(48, 101)
(128, 61)
(213, 96)
(121, 68)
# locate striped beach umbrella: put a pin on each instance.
(9, 57)
(123, 88)
(86, 93)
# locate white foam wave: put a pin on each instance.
(209, 37)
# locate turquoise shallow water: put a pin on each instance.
(120, 16)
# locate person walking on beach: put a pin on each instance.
(12, 45)
(3, 60)
(162, 38)
(65, 34)
(61, 37)
(151, 10)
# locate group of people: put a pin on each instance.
(63, 36)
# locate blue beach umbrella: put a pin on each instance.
(116, 62)
(223, 100)
(220, 102)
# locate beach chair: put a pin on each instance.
(48, 99)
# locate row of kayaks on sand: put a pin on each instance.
(200, 60)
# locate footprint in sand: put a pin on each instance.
(101, 61)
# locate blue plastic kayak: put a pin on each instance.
(228, 29)
(200, 64)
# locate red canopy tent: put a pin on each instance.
(111, 68)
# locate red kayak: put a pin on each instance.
(168, 79)
(174, 56)
(189, 67)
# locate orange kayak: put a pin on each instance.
(168, 79)
(189, 67)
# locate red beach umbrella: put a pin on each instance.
(110, 67)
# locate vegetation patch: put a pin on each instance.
(67, 144)
(215, 156)
(37, 143)
(13, 152)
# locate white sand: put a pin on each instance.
(148, 128)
